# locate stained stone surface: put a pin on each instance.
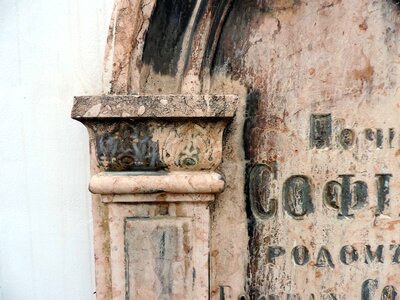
(158, 243)
(158, 168)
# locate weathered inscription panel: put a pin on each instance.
(324, 216)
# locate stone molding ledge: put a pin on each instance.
(198, 182)
(157, 198)
(154, 106)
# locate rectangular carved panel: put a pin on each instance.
(158, 255)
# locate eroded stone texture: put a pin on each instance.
(193, 76)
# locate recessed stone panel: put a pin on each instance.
(159, 263)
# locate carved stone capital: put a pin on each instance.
(151, 133)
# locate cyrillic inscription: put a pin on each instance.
(344, 195)
(347, 255)
(328, 221)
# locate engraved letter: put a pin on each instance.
(261, 203)
(379, 138)
(320, 131)
(347, 138)
(274, 252)
(348, 254)
(391, 137)
(346, 195)
(297, 196)
(225, 292)
(383, 192)
(324, 258)
(389, 293)
(368, 289)
(369, 134)
(370, 256)
(300, 255)
(396, 255)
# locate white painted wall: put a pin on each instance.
(50, 50)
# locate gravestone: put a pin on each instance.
(309, 157)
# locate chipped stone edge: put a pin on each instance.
(153, 106)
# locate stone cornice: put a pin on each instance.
(153, 106)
